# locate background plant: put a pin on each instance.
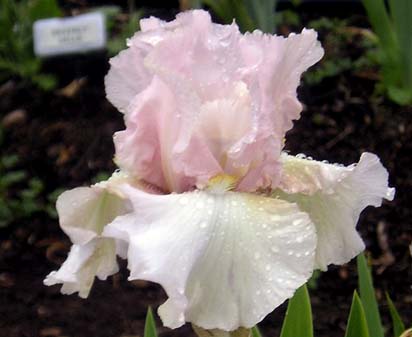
(21, 196)
(339, 39)
(249, 14)
(120, 26)
(392, 25)
(16, 40)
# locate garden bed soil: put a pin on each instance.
(64, 138)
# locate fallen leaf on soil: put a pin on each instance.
(407, 333)
(343, 273)
(341, 136)
(56, 251)
(116, 278)
(6, 280)
(140, 283)
(368, 74)
(387, 258)
(7, 87)
(65, 155)
(5, 246)
(43, 311)
(51, 332)
(72, 88)
(13, 118)
(360, 31)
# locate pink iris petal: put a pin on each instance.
(202, 99)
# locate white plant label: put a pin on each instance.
(60, 36)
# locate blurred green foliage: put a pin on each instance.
(18, 194)
(335, 61)
(392, 25)
(119, 30)
(21, 195)
(16, 40)
(248, 14)
(338, 37)
(117, 42)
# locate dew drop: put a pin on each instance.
(297, 222)
(274, 250)
(203, 224)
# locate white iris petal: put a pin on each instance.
(96, 258)
(83, 213)
(334, 196)
(225, 260)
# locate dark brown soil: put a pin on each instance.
(66, 141)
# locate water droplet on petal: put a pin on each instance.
(203, 224)
(297, 222)
(274, 250)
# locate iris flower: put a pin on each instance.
(206, 203)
